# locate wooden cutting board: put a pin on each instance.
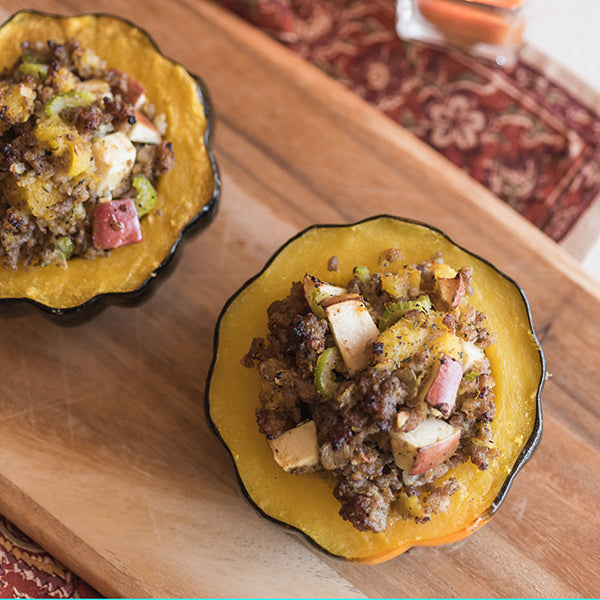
(107, 460)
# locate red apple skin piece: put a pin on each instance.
(144, 131)
(452, 290)
(134, 92)
(443, 389)
(116, 223)
(435, 454)
(429, 444)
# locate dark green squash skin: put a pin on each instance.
(15, 307)
(527, 452)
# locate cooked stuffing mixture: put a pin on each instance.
(382, 384)
(81, 150)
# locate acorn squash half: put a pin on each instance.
(187, 195)
(305, 502)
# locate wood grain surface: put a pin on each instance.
(107, 460)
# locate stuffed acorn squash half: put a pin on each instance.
(105, 163)
(377, 386)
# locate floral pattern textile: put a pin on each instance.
(525, 137)
(27, 571)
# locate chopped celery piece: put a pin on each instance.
(317, 309)
(361, 273)
(398, 309)
(325, 379)
(72, 99)
(470, 376)
(27, 57)
(145, 199)
(37, 70)
(65, 244)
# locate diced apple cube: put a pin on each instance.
(296, 448)
(401, 418)
(316, 290)
(143, 131)
(424, 447)
(451, 290)
(133, 91)
(116, 223)
(97, 87)
(471, 355)
(353, 329)
(443, 385)
(114, 155)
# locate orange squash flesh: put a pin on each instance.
(306, 502)
(185, 193)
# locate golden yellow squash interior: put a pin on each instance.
(306, 501)
(182, 193)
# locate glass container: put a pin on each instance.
(489, 29)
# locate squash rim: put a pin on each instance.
(10, 306)
(524, 456)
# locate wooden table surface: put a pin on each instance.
(107, 460)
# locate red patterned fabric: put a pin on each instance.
(27, 571)
(525, 137)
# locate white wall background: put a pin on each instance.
(568, 31)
